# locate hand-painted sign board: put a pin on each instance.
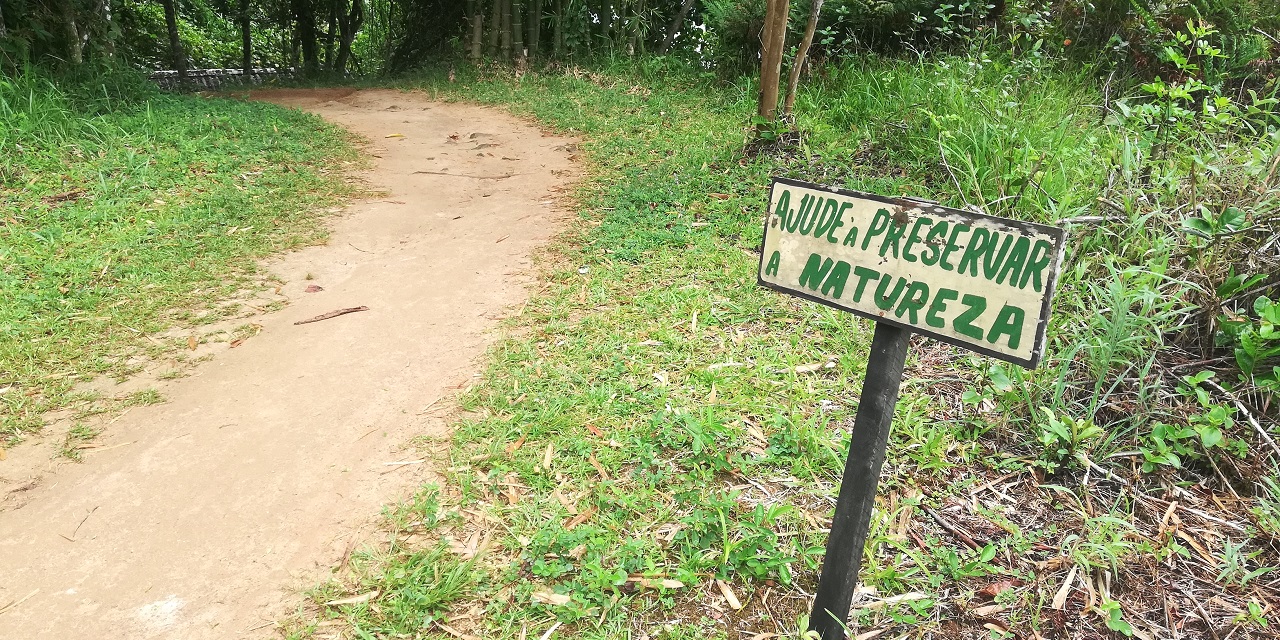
(976, 281)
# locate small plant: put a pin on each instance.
(1234, 565)
(1114, 617)
(1063, 438)
(1255, 343)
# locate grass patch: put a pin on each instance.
(655, 427)
(128, 212)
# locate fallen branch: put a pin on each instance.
(964, 537)
(332, 314)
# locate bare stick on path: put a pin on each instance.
(332, 314)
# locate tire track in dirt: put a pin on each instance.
(202, 517)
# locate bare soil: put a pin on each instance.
(204, 516)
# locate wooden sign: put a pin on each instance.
(977, 281)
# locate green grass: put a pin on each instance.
(645, 420)
(125, 212)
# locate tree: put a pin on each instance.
(176, 56)
(476, 16)
(246, 37)
(495, 28)
(802, 56)
(304, 16)
(676, 23)
(348, 26)
(535, 26)
(517, 28)
(773, 42)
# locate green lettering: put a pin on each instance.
(827, 218)
(833, 286)
(939, 306)
(809, 214)
(892, 238)
(913, 301)
(977, 244)
(878, 224)
(1008, 323)
(886, 302)
(932, 242)
(1040, 258)
(815, 270)
(774, 260)
(839, 222)
(1013, 266)
(963, 322)
(914, 238)
(851, 238)
(952, 247)
(865, 275)
(793, 220)
(991, 260)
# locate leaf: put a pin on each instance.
(1198, 227)
(360, 599)
(729, 595)
(1233, 218)
(999, 379)
(996, 588)
(544, 596)
(397, 135)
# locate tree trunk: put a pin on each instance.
(74, 51)
(477, 32)
(4, 33)
(495, 28)
(517, 29)
(773, 42)
(348, 26)
(674, 27)
(557, 33)
(330, 38)
(246, 38)
(108, 38)
(176, 56)
(606, 22)
(802, 57)
(305, 16)
(506, 30)
(535, 26)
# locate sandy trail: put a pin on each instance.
(250, 481)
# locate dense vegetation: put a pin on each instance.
(660, 434)
(661, 423)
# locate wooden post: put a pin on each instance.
(858, 487)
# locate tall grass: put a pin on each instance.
(123, 212)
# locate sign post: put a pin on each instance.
(976, 281)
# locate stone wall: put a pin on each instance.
(218, 79)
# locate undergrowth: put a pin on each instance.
(125, 212)
(654, 451)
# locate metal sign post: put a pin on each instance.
(976, 281)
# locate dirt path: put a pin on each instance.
(202, 516)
